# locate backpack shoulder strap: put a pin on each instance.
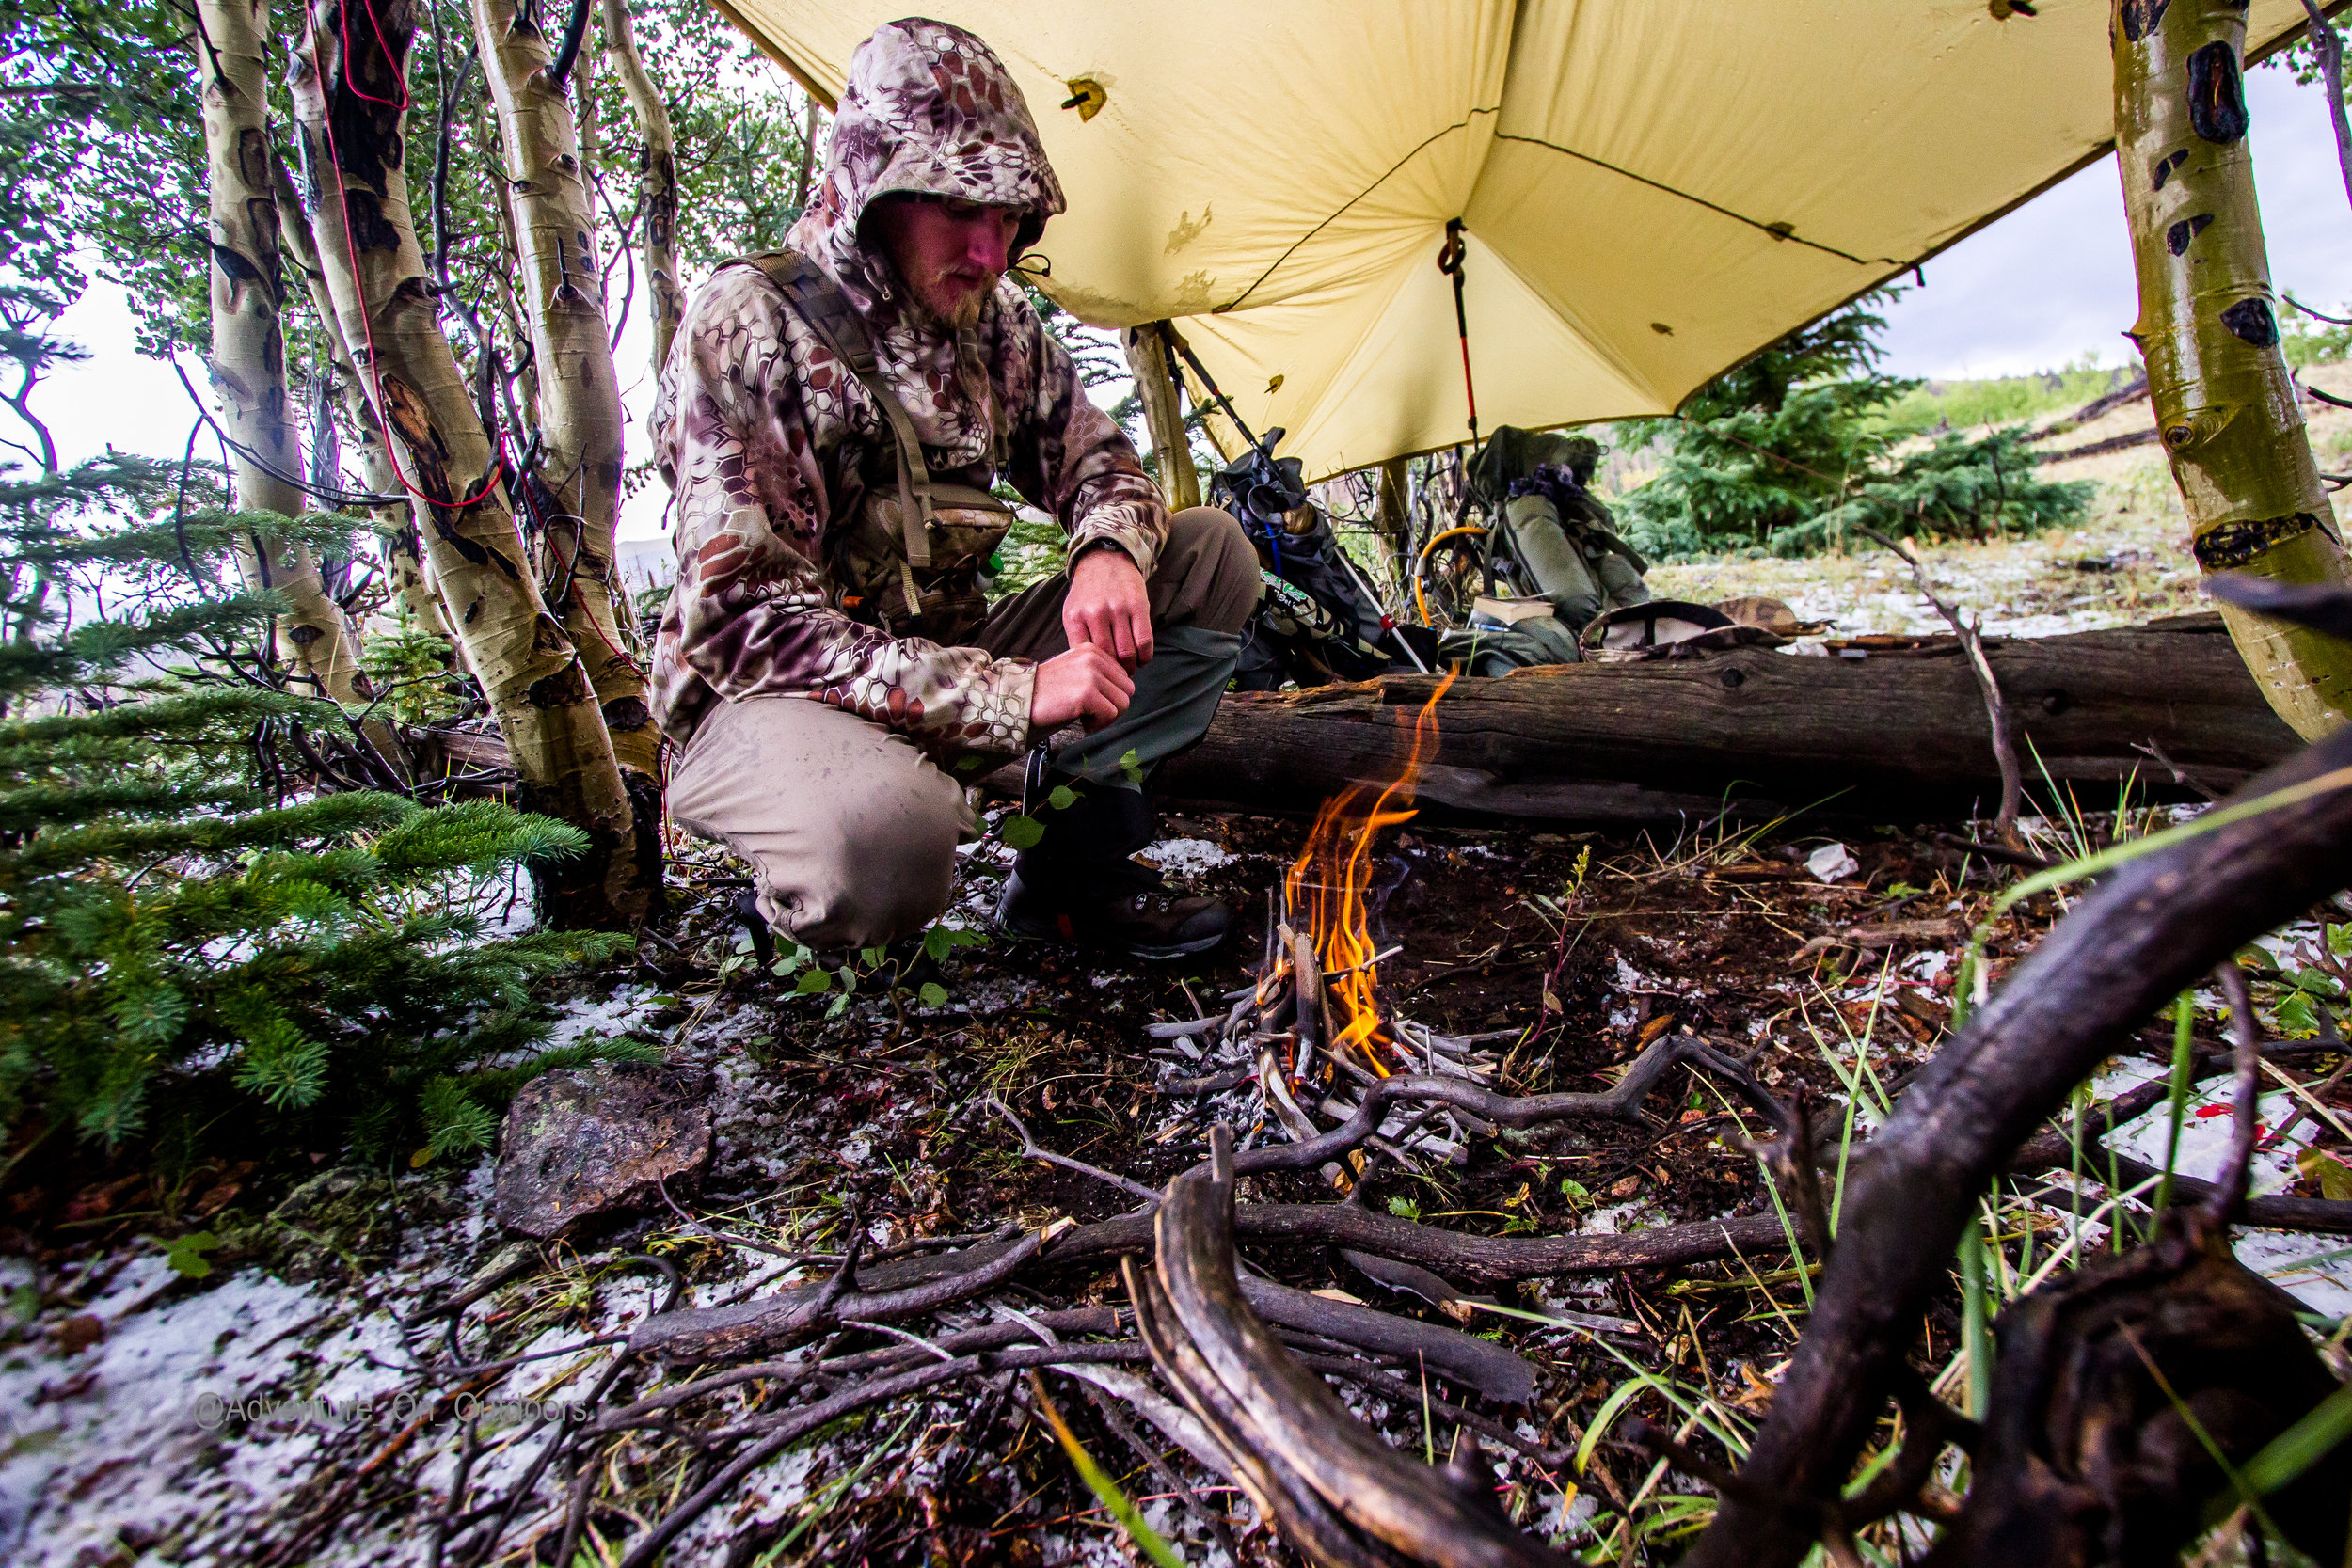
(829, 315)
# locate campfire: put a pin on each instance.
(1316, 1028)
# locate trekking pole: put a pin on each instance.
(1450, 262)
(1183, 349)
(1388, 622)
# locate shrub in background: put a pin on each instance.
(1782, 454)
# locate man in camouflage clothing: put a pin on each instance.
(832, 419)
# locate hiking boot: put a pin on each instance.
(1079, 883)
(1148, 921)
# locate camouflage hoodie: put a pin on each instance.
(765, 437)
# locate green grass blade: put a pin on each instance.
(1975, 1326)
(2301, 1446)
(1098, 1481)
(1603, 1418)
(2184, 1025)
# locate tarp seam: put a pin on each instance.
(1777, 233)
(1434, 137)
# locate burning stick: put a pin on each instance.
(1307, 992)
(1325, 889)
(1316, 1012)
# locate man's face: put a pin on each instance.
(949, 253)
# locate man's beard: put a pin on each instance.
(948, 302)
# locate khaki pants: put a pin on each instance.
(852, 833)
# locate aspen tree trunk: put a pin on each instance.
(1163, 416)
(403, 546)
(2224, 402)
(808, 152)
(579, 394)
(1395, 511)
(656, 180)
(349, 111)
(248, 362)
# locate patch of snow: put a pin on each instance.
(2325, 1287)
(2205, 1127)
(1187, 857)
(1928, 965)
(615, 1015)
(2285, 1258)
(189, 1415)
(1620, 1219)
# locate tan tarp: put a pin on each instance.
(1653, 189)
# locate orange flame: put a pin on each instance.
(1325, 887)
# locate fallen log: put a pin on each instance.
(1899, 730)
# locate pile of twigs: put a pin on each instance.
(1282, 1040)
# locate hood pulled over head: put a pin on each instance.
(929, 110)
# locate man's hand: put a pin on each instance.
(1085, 684)
(1106, 607)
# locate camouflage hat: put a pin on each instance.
(929, 110)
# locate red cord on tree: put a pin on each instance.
(351, 253)
(343, 15)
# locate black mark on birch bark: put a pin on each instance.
(2217, 96)
(2142, 17)
(2251, 320)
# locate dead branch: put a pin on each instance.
(1339, 1494)
(2001, 852)
(780, 1432)
(2331, 52)
(1409, 1397)
(1108, 1408)
(2138, 941)
(2129, 1390)
(1082, 1320)
(1971, 634)
(1474, 1363)
(1032, 1150)
(791, 1317)
(1622, 1103)
(1486, 1259)
(2230, 1191)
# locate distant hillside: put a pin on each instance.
(2005, 400)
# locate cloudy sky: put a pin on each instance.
(2052, 280)
(2045, 286)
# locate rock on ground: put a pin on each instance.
(595, 1140)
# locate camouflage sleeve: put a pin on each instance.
(1068, 456)
(748, 405)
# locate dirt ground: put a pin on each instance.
(1583, 947)
(232, 1367)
